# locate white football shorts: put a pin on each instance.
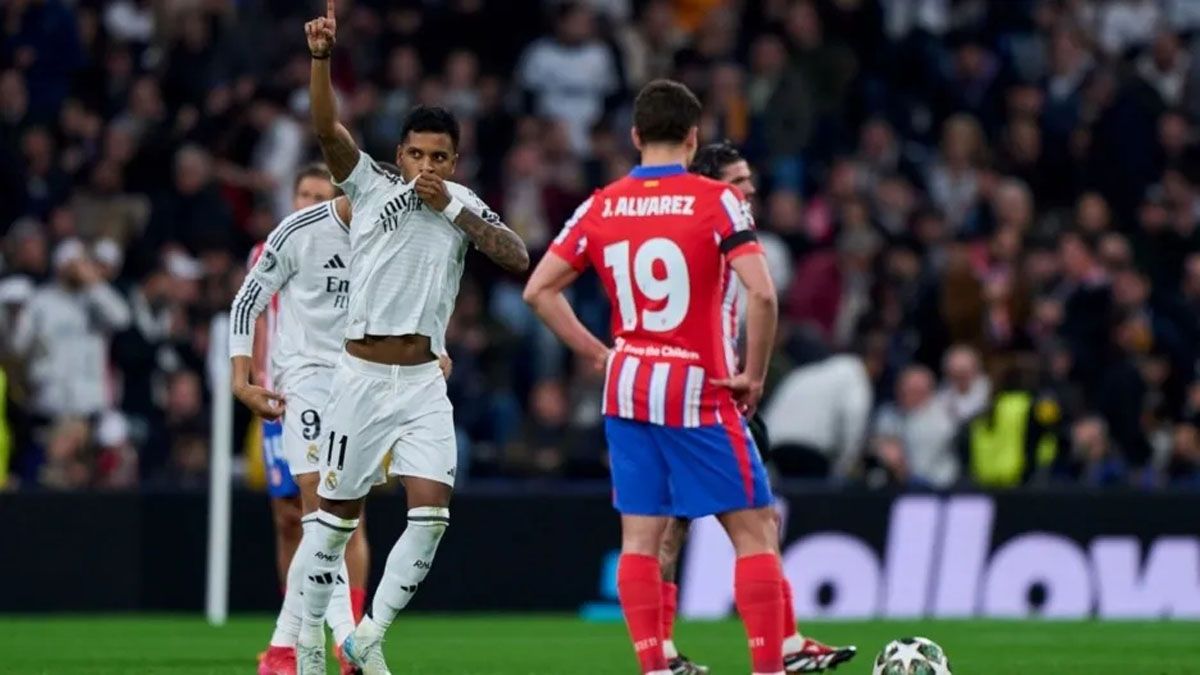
(376, 411)
(307, 394)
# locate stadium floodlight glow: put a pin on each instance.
(216, 597)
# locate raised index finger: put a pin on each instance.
(330, 9)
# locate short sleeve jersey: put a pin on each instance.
(301, 270)
(661, 240)
(406, 260)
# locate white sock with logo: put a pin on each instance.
(287, 625)
(321, 553)
(339, 616)
(407, 565)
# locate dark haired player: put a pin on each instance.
(290, 311)
(723, 162)
(408, 241)
(286, 329)
(667, 245)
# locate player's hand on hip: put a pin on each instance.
(262, 401)
(432, 190)
(446, 364)
(747, 391)
(600, 361)
(322, 31)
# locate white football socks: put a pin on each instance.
(321, 554)
(407, 564)
(339, 615)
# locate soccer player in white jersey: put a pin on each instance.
(302, 265)
(408, 240)
(299, 290)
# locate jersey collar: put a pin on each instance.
(658, 171)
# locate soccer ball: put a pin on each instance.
(911, 656)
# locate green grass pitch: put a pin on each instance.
(558, 645)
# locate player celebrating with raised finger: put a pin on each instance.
(408, 239)
(300, 272)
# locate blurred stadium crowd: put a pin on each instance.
(982, 218)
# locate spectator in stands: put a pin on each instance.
(64, 333)
(571, 76)
(26, 250)
(538, 449)
(972, 175)
(277, 153)
(1093, 459)
(953, 179)
(965, 389)
(192, 213)
(156, 344)
(1183, 466)
(105, 210)
(1014, 441)
(42, 40)
(912, 437)
(1086, 304)
(648, 46)
(1166, 68)
(46, 185)
(67, 464)
(1122, 394)
(187, 433)
(818, 418)
(831, 290)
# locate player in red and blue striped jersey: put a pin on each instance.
(801, 654)
(667, 245)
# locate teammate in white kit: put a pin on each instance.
(301, 269)
(408, 241)
(312, 184)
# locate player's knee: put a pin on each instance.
(286, 517)
(751, 531)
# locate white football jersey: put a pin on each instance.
(306, 261)
(406, 260)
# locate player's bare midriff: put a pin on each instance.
(393, 350)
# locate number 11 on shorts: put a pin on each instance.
(340, 441)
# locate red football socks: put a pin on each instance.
(757, 591)
(789, 610)
(670, 598)
(358, 600)
(639, 586)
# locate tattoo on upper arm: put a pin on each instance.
(494, 238)
(340, 152)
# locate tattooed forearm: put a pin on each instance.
(496, 241)
(337, 145)
(340, 151)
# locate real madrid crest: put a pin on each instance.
(313, 453)
(331, 480)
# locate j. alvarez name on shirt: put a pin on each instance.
(395, 210)
(656, 205)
